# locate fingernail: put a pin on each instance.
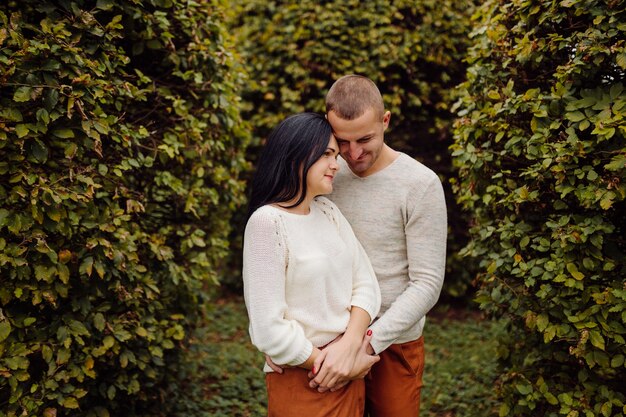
(314, 371)
(369, 332)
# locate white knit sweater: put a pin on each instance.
(399, 215)
(302, 274)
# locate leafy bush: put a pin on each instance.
(121, 146)
(413, 50)
(541, 152)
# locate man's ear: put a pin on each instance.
(386, 119)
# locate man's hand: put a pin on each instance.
(364, 360)
(272, 365)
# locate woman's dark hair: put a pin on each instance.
(292, 147)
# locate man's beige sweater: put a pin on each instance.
(399, 216)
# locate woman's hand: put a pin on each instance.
(276, 368)
(335, 362)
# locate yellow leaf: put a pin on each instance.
(70, 402)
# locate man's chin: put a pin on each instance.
(357, 166)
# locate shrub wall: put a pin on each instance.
(414, 51)
(120, 151)
(541, 152)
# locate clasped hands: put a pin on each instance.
(340, 362)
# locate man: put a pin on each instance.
(397, 210)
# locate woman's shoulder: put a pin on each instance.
(326, 206)
(325, 202)
(329, 208)
(264, 216)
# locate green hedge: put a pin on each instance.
(120, 151)
(540, 145)
(413, 50)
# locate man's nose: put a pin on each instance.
(355, 151)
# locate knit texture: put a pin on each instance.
(399, 216)
(302, 274)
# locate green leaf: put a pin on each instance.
(63, 355)
(43, 116)
(99, 269)
(44, 273)
(63, 133)
(573, 269)
(86, 266)
(11, 114)
(5, 329)
(64, 273)
(621, 60)
(46, 353)
(22, 94)
(54, 213)
(70, 150)
(104, 4)
(21, 130)
(574, 116)
(98, 321)
(617, 361)
(70, 402)
(596, 339)
(551, 398)
(39, 150)
(616, 90)
(78, 329)
(51, 98)
(617, 163)
(108, 342)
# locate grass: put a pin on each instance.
(228, 380)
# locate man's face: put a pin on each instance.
(360, 140)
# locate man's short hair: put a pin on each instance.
(351, 95)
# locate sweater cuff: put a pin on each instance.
(303, 355)
(378, 343)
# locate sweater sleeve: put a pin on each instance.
(425, 231)
(365, 290)
(264, 274)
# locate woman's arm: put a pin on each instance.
(264, 274)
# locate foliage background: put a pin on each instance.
(542, 164)
(121, 148)
(121, 161)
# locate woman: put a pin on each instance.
(307, 280)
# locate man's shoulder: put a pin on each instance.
(411, 167)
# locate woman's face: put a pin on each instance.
(319, 179)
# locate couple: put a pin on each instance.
(342, 336)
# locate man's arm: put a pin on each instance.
(425, 232)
